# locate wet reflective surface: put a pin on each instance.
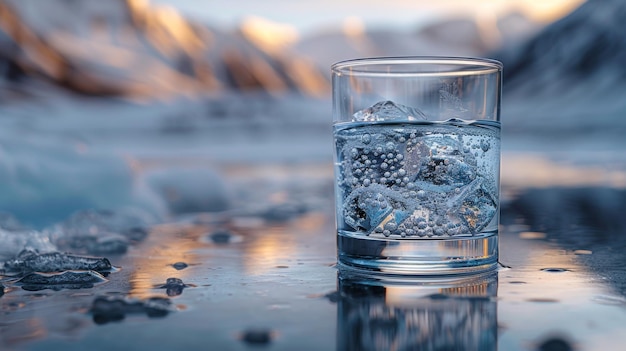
(266, 278)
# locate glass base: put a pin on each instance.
(419, 256)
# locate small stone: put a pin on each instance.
(221, 237)
(173, 286)
(180, 266)
(257, 336)
(107, 309)
(555, 344)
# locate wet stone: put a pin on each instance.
(555, 344)
(257, 336)
(173, 286)
(221, 237)
(107, 309)
(180, 266)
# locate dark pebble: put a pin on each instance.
(257, 336)
(180, 265)
(1, 289)
(173, 286)
(136, 234)
(220, 237)
(555, 344)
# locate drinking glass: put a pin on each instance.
(417, 164)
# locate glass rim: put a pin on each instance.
(460, 66)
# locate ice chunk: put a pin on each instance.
(30, 261)
(100, 232)
(107, 309)
(67, 277)
(13, 242)
(388, 111)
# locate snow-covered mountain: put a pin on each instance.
(128, 47)
(132, 48)
(455, 36)
(572, 74)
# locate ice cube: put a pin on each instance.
(474, 206)
(441, 160)
(388, 111)
(375, 208)
(364, 209)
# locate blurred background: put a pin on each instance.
(163, 107)
(199, 132)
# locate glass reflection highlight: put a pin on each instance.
(375, 313)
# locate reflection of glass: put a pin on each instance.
(435, 314)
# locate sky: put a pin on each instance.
(307, 16)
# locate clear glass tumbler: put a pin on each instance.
(417, 164)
